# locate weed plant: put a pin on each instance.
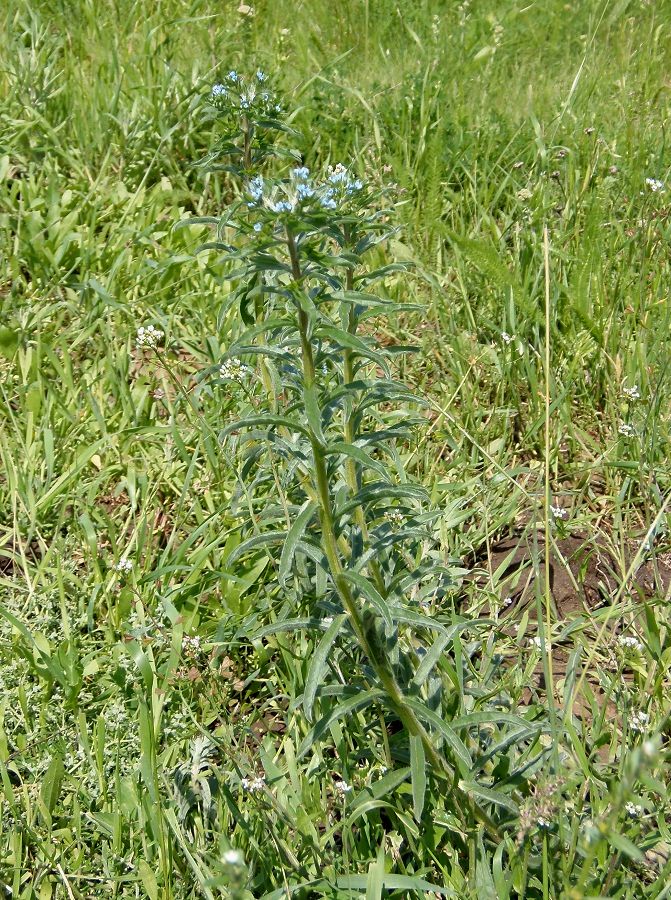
(296, 530)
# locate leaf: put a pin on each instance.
(623, 845)
(350, 342)
(313, 413)
(259, 540)
(269, 420)
(9, 342)
(365, 587)
(484, 883)
(51, 784)
(446, 732)
(375, 879)
(359, 455)
(148, 878)
(418, 775)
(347, 707)
(294, 535)
(491, 796)
(430, 659)
(318, 665)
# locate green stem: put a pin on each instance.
(350, 464)
(375, 654)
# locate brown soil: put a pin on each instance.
(584, 576)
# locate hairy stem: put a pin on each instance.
(373, 651)
(350, 464)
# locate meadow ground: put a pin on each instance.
(155, 739)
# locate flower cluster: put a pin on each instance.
(191, 645)
(237, 94)
(149, 337)
(124, 566)
(633, 810)
(655, 185)
(300, 191)
(558, 512)
(627, 642)
(252, 785)
(342, 787)
(626, 430)
(632, 393)
(639, 721)
(233, 370)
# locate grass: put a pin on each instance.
(521, 137)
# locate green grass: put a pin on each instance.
(123, 746)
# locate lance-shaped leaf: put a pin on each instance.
(313, 412)
(318, 664)
(358, 455)
(454, 742)
(264, 420)
(369, 593)
(345, 708)
(294, 536)
(418, 774)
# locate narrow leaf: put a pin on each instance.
(418, 772)
(318, 665)
(367, 590)
(294, 536)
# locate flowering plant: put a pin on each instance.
(348, 534)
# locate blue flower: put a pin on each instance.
(255, 188)
(339, 175)
(258, 226)
(353, 186)
(304, 190)
(233, 76)
(282, 206)
(219, 90)
(302, 173)
(261, 75)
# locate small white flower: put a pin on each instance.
(233, 858)
(639, 721)
(396, 518)
(124, 566)
(630, 643)
(253, 785)
(191, 644)
(655, 185)
(508, 601)
(342, 787)
(632, 393)
(149, 337)
(327, 620)
(626, 430)
(542, 822)
(506, 338)
(633, 810)
(558, 512)
(233, 370)
(535, 643)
